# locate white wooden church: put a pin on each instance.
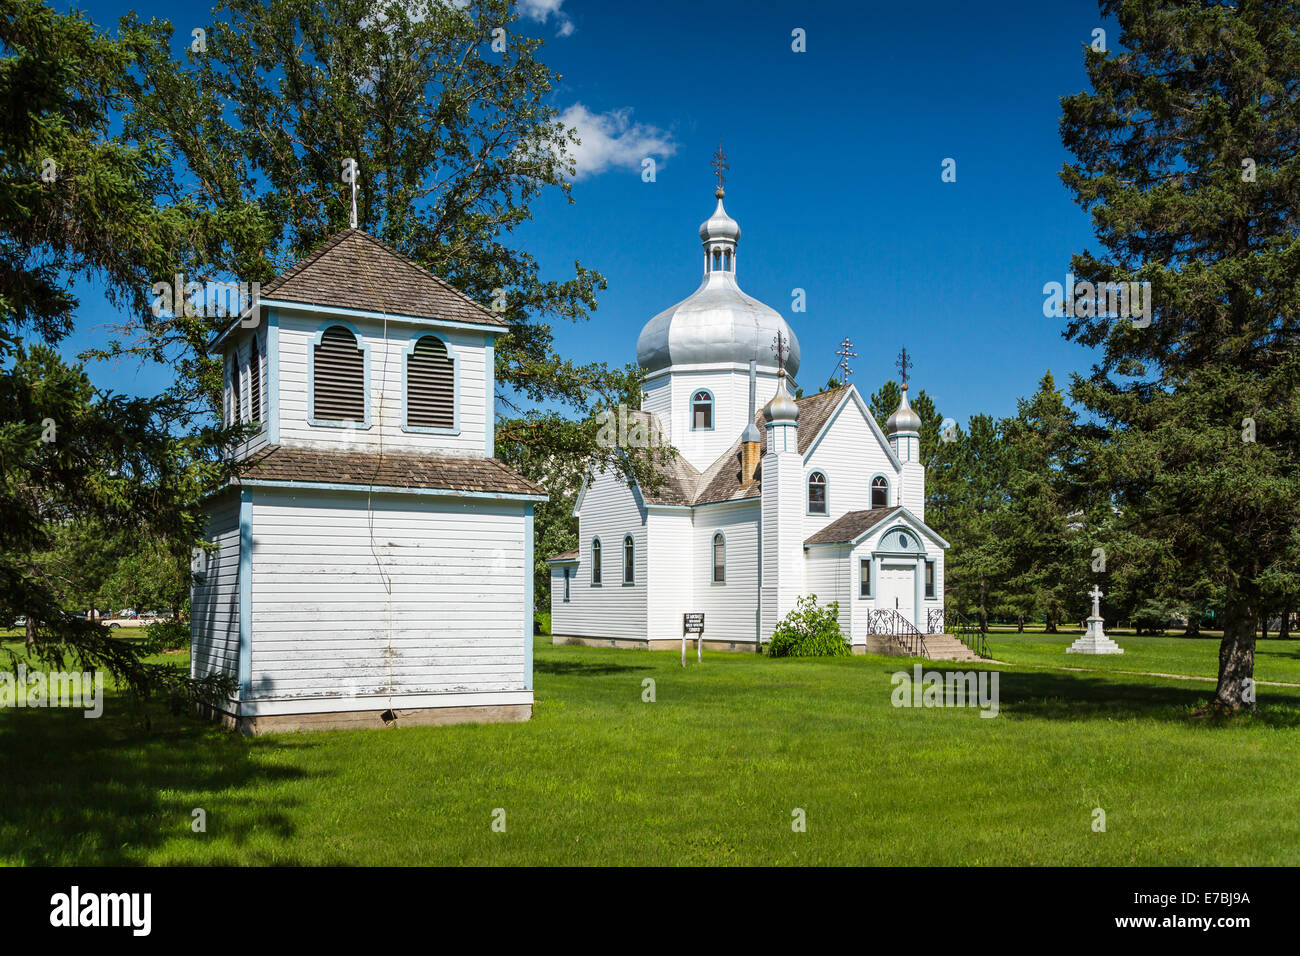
(758, 507)
(372, 560)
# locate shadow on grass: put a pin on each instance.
(1093, 695)
(583, 669)
(107, 791)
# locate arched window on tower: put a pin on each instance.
(254, 382)
(717, 260)
(879, 492)
(817, 493)
(702, 410)
(338, 377)
(430, 385)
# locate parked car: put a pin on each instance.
(20, 622)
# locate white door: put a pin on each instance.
(898, 589)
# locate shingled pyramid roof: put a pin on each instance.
(353, 270)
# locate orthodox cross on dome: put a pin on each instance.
(845, 352)
(720, 168)
(781, 348)
(1095, 594)
(903, 364)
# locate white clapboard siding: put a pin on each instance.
(386, 351)
(849, 455)
(418, 595)
(673, 581)
(828, 573)
(214, 595)
(730, 609)
(730, 390)
(612, 610)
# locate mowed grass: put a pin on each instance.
(1196, 656)
(709, 773)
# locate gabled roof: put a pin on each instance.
(721, 480)
(564, 557)
(354, 270)
(847, 528)
(402, 470)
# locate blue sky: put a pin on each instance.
(835, 178)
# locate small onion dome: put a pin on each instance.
(782, 408)
(719, 225)
(903, 419)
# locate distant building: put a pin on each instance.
(373, 560)
(759, 507)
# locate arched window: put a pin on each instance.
(719, 559)
(717, 260)
(338, 377)
(254, 382)
(595, 562)
(702, 410)
(566, 585)
(430, 385)
(817, 493)
(629, 560)
(879, 492)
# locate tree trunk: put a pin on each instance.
(1285, 632)
(1236, 688)
(1193, 628)
(1020, 624)
(1051, 624)
(31, 630)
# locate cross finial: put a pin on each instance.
(782, 349)
(1096, 596)
(845, 352)
(720, 167)
(903, 364)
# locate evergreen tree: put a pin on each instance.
(1187, 154)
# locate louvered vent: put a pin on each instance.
(254, 382)
(339, 389)
(430, 386)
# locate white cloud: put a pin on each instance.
(612, 141)
(543, 10)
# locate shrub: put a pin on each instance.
(810, 631)
(163, 636)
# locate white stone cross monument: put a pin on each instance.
(1094, 640)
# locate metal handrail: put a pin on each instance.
(951, 621)
(889, 623)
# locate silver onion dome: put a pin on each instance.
(903, 419)
(718, 323)
(781, 408)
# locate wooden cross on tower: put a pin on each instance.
(845, 352)
(903, 364)
(720, 166)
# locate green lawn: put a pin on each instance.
(708, 774)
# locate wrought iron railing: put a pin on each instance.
(951, 621)
(887, 622)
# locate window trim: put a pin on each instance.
(312, 343)
(596, 551)
(455, 385)
(628, 539)
(871, 490)
(255, 379)
(713, 558)
(713, 410)
(867, 564)
(931, 579)
(566, 586)
(826, 494)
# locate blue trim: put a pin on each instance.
(713, 564)
(591, 550)
(394, 489)
(528, 598)
(494, 327)
(626, 582)
(713, 410)
(273, 376)
(932, 586)
(566, 586)
(311, 379)
(455, 386)
(807, 495)
(888, 487)
(245, 593)
(870, 562)
(490, 397)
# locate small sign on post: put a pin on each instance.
(693, 623)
